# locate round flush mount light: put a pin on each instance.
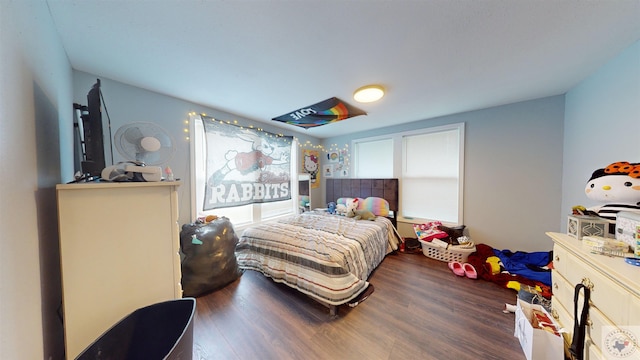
(369, 93)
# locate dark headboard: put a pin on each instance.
(363, 188)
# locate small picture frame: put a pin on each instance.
(328, 171)
(333, 156)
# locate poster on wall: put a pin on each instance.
(333, 156)
(311, 165)
(328, 171)
(337, 163)
(245, 166)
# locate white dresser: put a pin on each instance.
(119, 246)
(615, 297)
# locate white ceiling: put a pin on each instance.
(262, 59)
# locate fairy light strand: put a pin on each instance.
(344, 150)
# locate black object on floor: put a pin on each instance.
(159, 331)
(209, 260)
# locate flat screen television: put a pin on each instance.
(92, 135)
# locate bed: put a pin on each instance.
(327, 257)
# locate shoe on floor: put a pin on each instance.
(469, 271)
(456, 267)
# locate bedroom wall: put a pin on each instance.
(513, 169)
(35, 125)
(126, 104)
(602, 124)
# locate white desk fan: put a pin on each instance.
(145, 145)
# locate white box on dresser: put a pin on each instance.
(628, 228)
(614, 311)
(119, 246)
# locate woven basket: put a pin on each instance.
(453, 253)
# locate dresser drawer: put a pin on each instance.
(591, 351)
(559, 259)
(562, 315)
(598, 323)
(634, 311)
(610, 298)
(562, 290)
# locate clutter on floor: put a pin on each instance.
(514, 269)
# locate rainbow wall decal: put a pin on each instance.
(322, 113)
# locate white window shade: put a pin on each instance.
(429, 163)
(374, 158)
(431, 181)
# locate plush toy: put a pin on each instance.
(353, 212)
(617, 187)
(341, 209)
(331, 208)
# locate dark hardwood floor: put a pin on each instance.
(419, 310)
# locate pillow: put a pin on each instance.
(345, 200)
(378, 206)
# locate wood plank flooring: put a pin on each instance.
(419, 310)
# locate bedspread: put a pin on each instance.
(327, 257)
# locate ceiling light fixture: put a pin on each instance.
(369, 93)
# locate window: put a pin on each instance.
(373, 158)
(240, 216)
(429, 163)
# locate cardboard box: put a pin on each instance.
(536, 343)
(628, 228)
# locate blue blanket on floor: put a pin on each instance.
(531, 265)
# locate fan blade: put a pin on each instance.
(133, 135)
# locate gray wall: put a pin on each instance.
(602, 124)
(513, 171)
(126, 104)
(35, 126)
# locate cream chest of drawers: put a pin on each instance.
(615, 298)
(119, 247)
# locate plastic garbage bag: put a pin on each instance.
(208, 256)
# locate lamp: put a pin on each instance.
(369, 93)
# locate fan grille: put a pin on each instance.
(129, 139)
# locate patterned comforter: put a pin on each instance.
(327, 257)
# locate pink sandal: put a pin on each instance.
(469, 271)
(457, 268)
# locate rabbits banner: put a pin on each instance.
(245, 165)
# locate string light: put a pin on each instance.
(344, 150)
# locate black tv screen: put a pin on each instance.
(93, 161)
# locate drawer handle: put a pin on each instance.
(555, 315)
(557, 258)
(586, 282)
(555, 286)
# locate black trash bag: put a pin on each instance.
(208, 256)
